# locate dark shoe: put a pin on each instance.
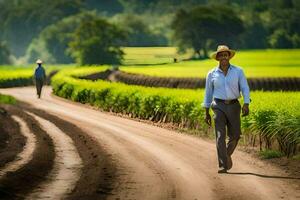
(229, 162)
(222, 170)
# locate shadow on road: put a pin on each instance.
(262, 175)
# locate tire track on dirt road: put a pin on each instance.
(26, 173)
(26, 155)
(12, 140)
(98, 170)
(67, 165)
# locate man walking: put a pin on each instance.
(40, 77)
(222, 90)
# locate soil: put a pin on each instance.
(11, 140)
(128, 159)
(17, 184)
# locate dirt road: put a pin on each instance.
(155, 163)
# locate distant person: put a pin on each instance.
(223, 86)
(40, 77)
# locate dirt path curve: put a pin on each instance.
(24, 156)
(155, 163)
(67, 165)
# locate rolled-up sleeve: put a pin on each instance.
(208, 91)
(244, 87)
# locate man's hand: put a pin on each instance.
(208, 119)
(245, 110)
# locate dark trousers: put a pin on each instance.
(227, 119)
(39, 85)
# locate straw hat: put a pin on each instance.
(222, 48)
(39, 61)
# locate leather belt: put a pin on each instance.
(232, 101)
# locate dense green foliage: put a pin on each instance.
(267, 24)
(110, 7)
(21, 21)
(96, 41)
(4, 54)
(274, 123)
(12, 76)
(15, 77)
(268, 154)
(85, 37)
(138, 32)
(203, 27)
(53, 42)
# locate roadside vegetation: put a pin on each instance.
(15, 77)
(271, 124)
(5, 99)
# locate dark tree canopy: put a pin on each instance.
(96, 41)
(109, 7)
(38, 27)
(4, 54)
(21, 21)
(138, 32)
(205, 26)
(54, 39)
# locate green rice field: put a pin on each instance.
(149, 55)
(256, 63)
(158, 61)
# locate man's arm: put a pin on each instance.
(245, 92)
(208, 92)
(208, 98)
(207, 117)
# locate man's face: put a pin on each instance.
(223, 57)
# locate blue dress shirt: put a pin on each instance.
(226, 87)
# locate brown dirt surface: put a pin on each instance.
(94, 183)
(11, 140)
(98, 169)
(149, 162)
(16, 184)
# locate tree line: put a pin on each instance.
(55, 30)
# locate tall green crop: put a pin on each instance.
(274, 116)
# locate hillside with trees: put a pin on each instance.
(36, 28)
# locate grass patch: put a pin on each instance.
(297, 157)
(268, 154)
(5, 99)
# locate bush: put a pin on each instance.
(7, 99)
(15, 77)
(96, 41)
(280, 39)
(268, 154)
